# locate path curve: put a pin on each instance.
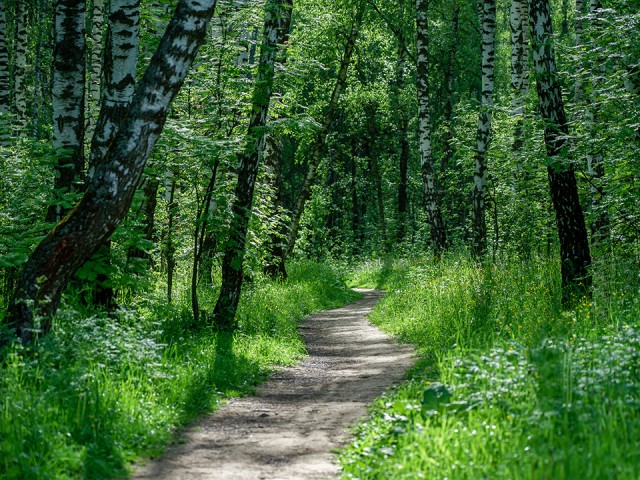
(289, 428)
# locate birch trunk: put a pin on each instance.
(319, 143)
(429, 181)
(479, 192)
(519, 23)
(234, 251)
(449, 150)
(595, 157)
(21, 43)
(574, 246)
(109, 193)
(119, 69)
(5, 106)
(68, 92)
(97, 27)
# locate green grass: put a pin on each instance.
(510, 385)
(98, 393)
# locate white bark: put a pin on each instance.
(429, 186)
(20, 63)
(484, 128)
(5, 107)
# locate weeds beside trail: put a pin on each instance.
(97, 393)
(511, 386)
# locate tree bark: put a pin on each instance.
(5, 99)
(574, 246)
(429, 181)
(519, 23)
(234, 251)
(109, 193)
(21, 43)
(319, 144)
(479, 192)
(449, 150)
(120, 62)
(274, 264)
(68, 100)
(401, 134)
(97, 26)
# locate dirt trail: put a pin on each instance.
(289, 428)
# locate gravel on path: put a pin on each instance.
(289, 429)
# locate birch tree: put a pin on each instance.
(234, 251)
(97, 27)
(479, 192)
(20, 62)
(110, 191)
(68, 92)
(572, 233)
(429, 181)
(519, 26)
(5, 106)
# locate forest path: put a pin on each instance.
(289, 428)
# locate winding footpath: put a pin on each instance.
(288, 430)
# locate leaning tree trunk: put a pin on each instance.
(574, 245)
(68, 92)
(319, 144)
(120, 62)
(21, 43)
(519, 23)
(479, 192)
(110, 191)
(429, 181)
(234, 251)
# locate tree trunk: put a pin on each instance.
(429, 181)
(319, 143)
(479, 192)
(109, 193)
(274, 264)
(21, 43)
(519, 23)
(120, 61)
(97, 26)
(5, 106)
(68, 100)
(377, 178)
(574, 246)
(403, 142)
(169, 246)
(449, 150)
(595, 159)
(148, 213)
(39, 82)
(234, 251)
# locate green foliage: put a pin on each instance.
(99, 392)
(510, 385)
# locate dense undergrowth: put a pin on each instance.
(97, 393)
(510, 385)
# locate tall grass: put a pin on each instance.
(98, 393)
(511, 386)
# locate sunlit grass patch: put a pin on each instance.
(516, 388)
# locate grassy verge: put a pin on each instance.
(511, 386)
(98, 393)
